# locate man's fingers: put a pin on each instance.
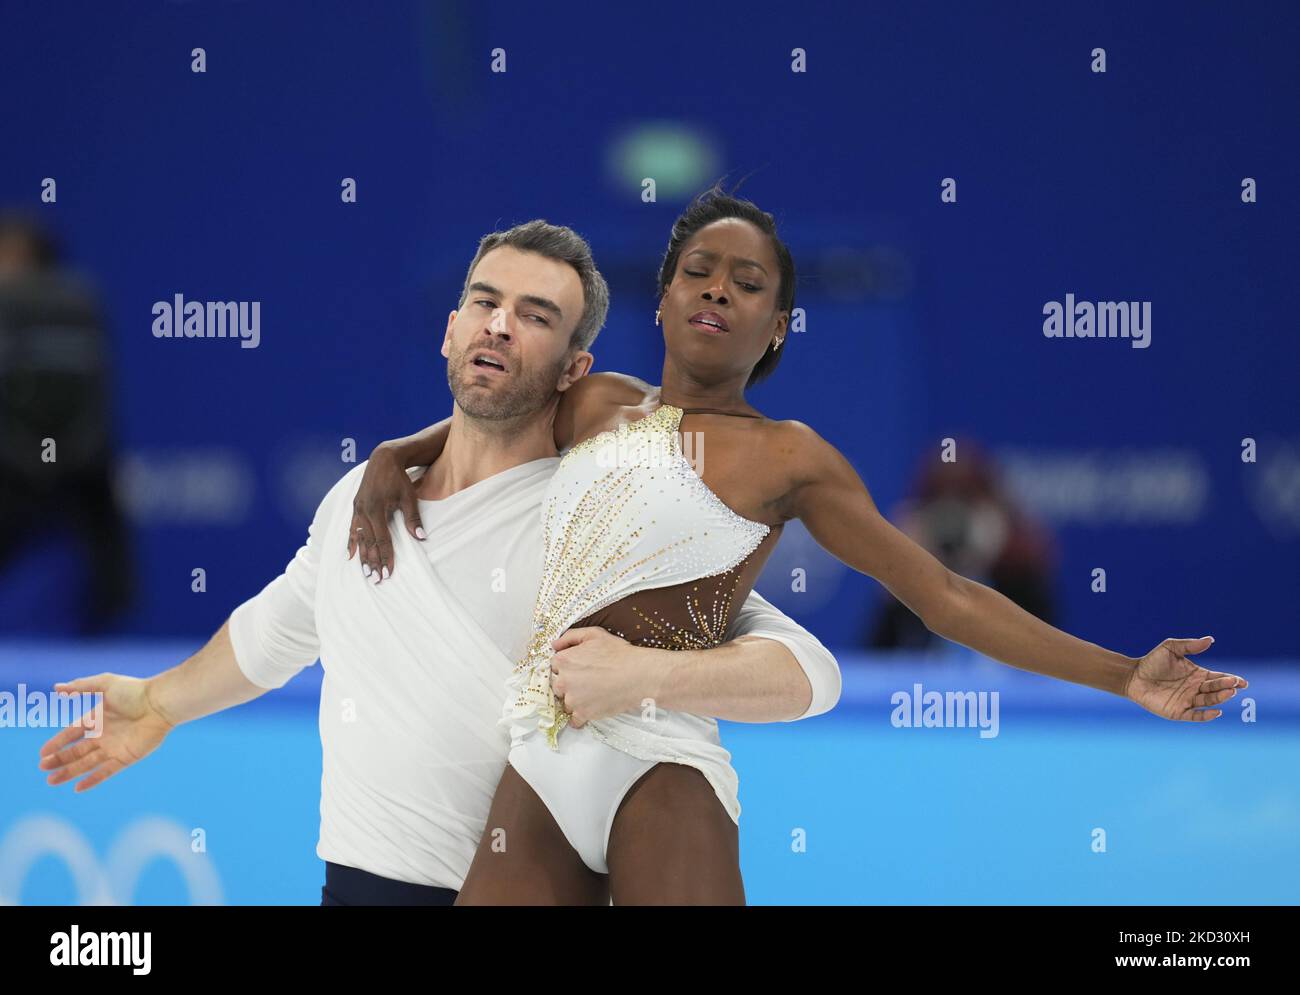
(93, 758)
(103, 774)
(57, 742)
(77, 729)
(82, 685)
(572, 637)
(53, 761)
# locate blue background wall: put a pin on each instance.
(924, 319)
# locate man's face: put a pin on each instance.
(520, 312)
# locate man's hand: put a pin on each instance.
(130, 728)
(385, 487)
(1168, 684)
(597, 674)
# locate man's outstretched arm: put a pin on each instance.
(134, 714)
(208, 682)
(265, 642)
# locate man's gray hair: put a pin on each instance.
(563, 245)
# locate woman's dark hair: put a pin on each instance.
(715, 204)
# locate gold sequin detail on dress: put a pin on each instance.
(624, 513)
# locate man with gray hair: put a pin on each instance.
(415, 663)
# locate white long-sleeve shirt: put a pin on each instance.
(412, 749)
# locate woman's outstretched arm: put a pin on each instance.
(832, 501)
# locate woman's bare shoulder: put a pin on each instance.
(602, 396)
(619, 389)
(596, 402)
(791, 433)
(799, 448)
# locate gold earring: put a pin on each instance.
(778, 344)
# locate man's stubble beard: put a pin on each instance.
(522, 395)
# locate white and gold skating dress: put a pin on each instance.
(636, 542)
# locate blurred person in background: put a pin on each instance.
(962, 514)
(67, 569)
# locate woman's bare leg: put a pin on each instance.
(673, 843)
(523, 857)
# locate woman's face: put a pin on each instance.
(720, 312)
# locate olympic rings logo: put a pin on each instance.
(112, 882)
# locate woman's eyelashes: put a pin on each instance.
(749, 287)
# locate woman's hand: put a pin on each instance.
(123, 728)
(385, 488)
(1168, 684)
